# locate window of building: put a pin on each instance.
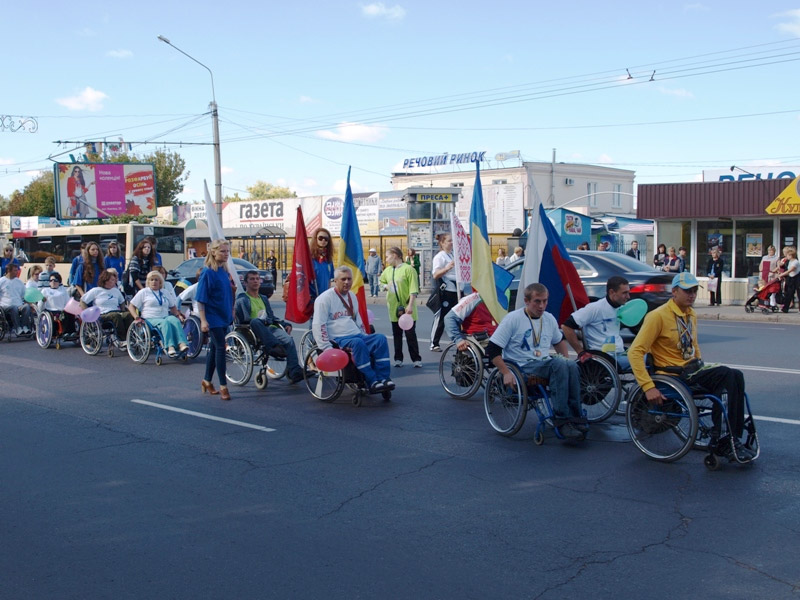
(457, 184)
(616, 198)
(713, 234)
(499, 181)
(591, 193)
(752, 240)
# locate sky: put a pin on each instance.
(666, 89)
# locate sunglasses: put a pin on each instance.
(54, 280)
(323, 239)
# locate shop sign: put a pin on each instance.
(444, 159)
(788, 201)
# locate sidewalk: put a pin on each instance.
(705, 312)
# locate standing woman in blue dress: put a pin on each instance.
(88, 272)
(214, 298)
(114, 260)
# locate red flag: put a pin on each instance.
(299, 307)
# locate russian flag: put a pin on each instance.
(351, 252)
(547, 262)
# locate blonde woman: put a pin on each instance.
(789, 277)
(214, 298)
(153, 304)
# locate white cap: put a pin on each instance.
(372, 250)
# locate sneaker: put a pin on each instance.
(26, 330)
(743, 452)
(18, 331)
(570, 432)
(417, 364)
(296, 376)
(388, 384)
(171, 352)
(123, 345)
(377, 386)
(581, 425)
(435, 348)
(398, 363)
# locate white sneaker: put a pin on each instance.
(398, 363)
(417, 364)
(18, 331)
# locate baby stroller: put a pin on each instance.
(761, 298)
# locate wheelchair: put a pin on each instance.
(506, 407)
(327, 386)
(6, 328)
(50, 330)
(142, 339)
(96, 334)
(462, 373)
(666, 432)
(243, 351)
(602, 388)
(195, 338)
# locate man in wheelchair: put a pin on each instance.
(669, 335)
(600, 324)
(469, 317)
(336, 319)
(254, 309)
(524, 337)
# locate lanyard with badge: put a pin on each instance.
(536, 338)
(685, 336)
(348, 308)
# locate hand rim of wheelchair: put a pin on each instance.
(599, 378)
(318, 382)
(194, 336)
(238, 359)
(505, 408)
(466, 364)
(663, 433)
(140, 342)
(44, 332)
(91, 337)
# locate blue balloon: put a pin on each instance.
(632, 313)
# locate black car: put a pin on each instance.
(187, 271)
(595, 268)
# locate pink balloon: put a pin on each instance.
(332, 359)
(405, 322)
(91, 314)
(73, 307)
(370, 316)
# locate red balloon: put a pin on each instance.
(332, 359)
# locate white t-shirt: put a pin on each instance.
(332, 320)
(793, 268)
(187, 295)
(598, 321)
(151, 304)
(440, 261)
(55, 299)
(516, 337)
(12, 292)
(106, 300)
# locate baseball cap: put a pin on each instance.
(372, 250)
(685, 281)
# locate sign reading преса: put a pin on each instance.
(441, 160)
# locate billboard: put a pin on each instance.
(101, 190)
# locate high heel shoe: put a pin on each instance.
(207, 386)
(224, 394)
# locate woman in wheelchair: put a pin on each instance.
(12, 300)
(56, 297)
(254, 310)
(153, 305)
(107, 297)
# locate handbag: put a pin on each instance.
(712, 284)
(434, 303)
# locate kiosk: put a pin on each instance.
(428, 217)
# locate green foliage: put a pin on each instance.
(36, 200)
(261, 190)
(170, 171)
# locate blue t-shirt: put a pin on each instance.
(115, 262)
(78, 260)
(79, 277)
(214, 291)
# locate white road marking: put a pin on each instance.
(777, 420)
(202, 415)
(767, 369)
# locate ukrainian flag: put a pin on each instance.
(351, 253)
(489, 280)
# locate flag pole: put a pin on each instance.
(455, 255)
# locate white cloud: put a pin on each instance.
(678, 92)
(792, 25)
(226, 170)
(355, 132)
(119, 54)
(306, 99)
(6, 161)
(89, 99)
(605, 159)
(378, 10)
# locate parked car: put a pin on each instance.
(187, 271)
(595, 268)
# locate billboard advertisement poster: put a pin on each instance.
(102, 190)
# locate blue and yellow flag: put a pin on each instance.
(489, 280)
(351, 253)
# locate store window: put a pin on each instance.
(675, 233)
(713, 234)
(752, 240)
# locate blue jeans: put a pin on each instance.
(374, 288)
(275, 336)
(370, 355)
(215, 359)
(565, 384)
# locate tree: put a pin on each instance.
(261, 190)
(4, 204)
(36, 200)
(170, 171)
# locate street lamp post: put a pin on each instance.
(215, 129)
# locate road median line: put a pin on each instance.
(202, 415)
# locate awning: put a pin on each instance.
(238, 233)
(633, 228)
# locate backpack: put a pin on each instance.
(127, 284)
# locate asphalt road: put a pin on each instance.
(105, 493)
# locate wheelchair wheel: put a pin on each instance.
(44, 330)
(601, 389)
(323, 385)
(194, 337)
(91, 338)
(306, 343)
(664, 432)
(238, 359)
(505, 407)
(461, 373)
(262, 381)
(139, 342)
(5, 326)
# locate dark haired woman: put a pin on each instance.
(660, 256)
(88, 271)
(322, 255)
(115, 260)
(141, 264)
(76, 192)
(443, 268)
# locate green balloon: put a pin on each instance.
(632, 313)
(33, 295)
